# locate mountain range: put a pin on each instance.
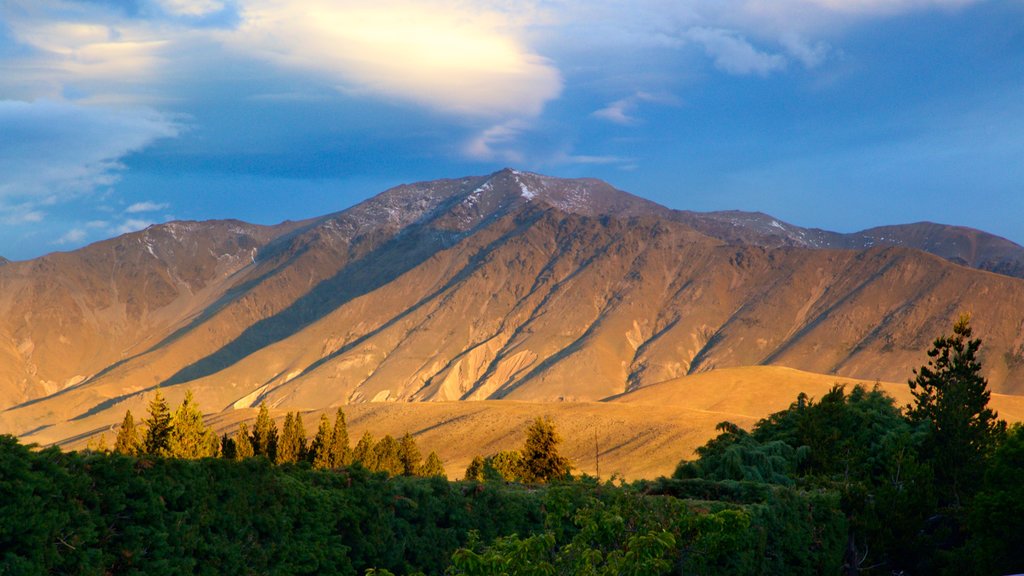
(512, 286)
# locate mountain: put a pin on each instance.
(512, 286)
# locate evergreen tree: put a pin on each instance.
(409, 454)
(158, 426)
(364, 453)
(322, 444)
(387, 457)
(264, 434)
(341, 453)
(433, 467)
(292, 443)
(189, 437)
(541, 461)
(508, 464)
(951, 396)
(227, 447)
(127, 436)
(243, 443)
(475, 470)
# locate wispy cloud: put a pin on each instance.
(146, 207)
(623, 111)
(72, 236)
(497, 142)
(732, 53)
(132, 225)
(54, 149)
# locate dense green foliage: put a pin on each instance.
(905, 481)
(96, 513)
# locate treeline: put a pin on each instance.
(183, 434)
(111, 514)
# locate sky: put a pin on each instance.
(836, 114)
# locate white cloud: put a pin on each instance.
(810, 55)
(132, 225)
(21, 214)
(51, 150)
(192, 7)
(734, 54)
(447, 55)
(146, 207)
(497, 143)
(622, 111)
(73, 236)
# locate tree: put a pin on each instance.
(287, 443)
(951, 397)
(243, 443)
(321, 447)
(364, 453)
(127, 436)
(158, 426)
(541, 460)
(506, 466)
(387, 457)
(433, 467)
(189, 437)
(475, 470)
(409, 454)
(341, 454)
(264, 434)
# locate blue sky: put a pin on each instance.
(839, 114)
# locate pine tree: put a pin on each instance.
(321, 447)
(387, 457)
(264, 434)
(127, 436)
(189, 437)
(951, 396)
(227, 447)
(433, 467)
(341, 453)
(364, 453)
(541, 461)
(292, 443)
(409, 455)
(158, 426)
(243, 443)
(475, 470)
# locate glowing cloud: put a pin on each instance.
(446, 55)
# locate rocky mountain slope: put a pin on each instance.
(511, 286)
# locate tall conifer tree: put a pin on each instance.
(409, 454)
(952, 396)
(321, 448)
(341, 453)
(158, 426)
(290, 443)
(189, 437)
(127, 436)
(264, 434)
(243, 443)
(364, 453)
